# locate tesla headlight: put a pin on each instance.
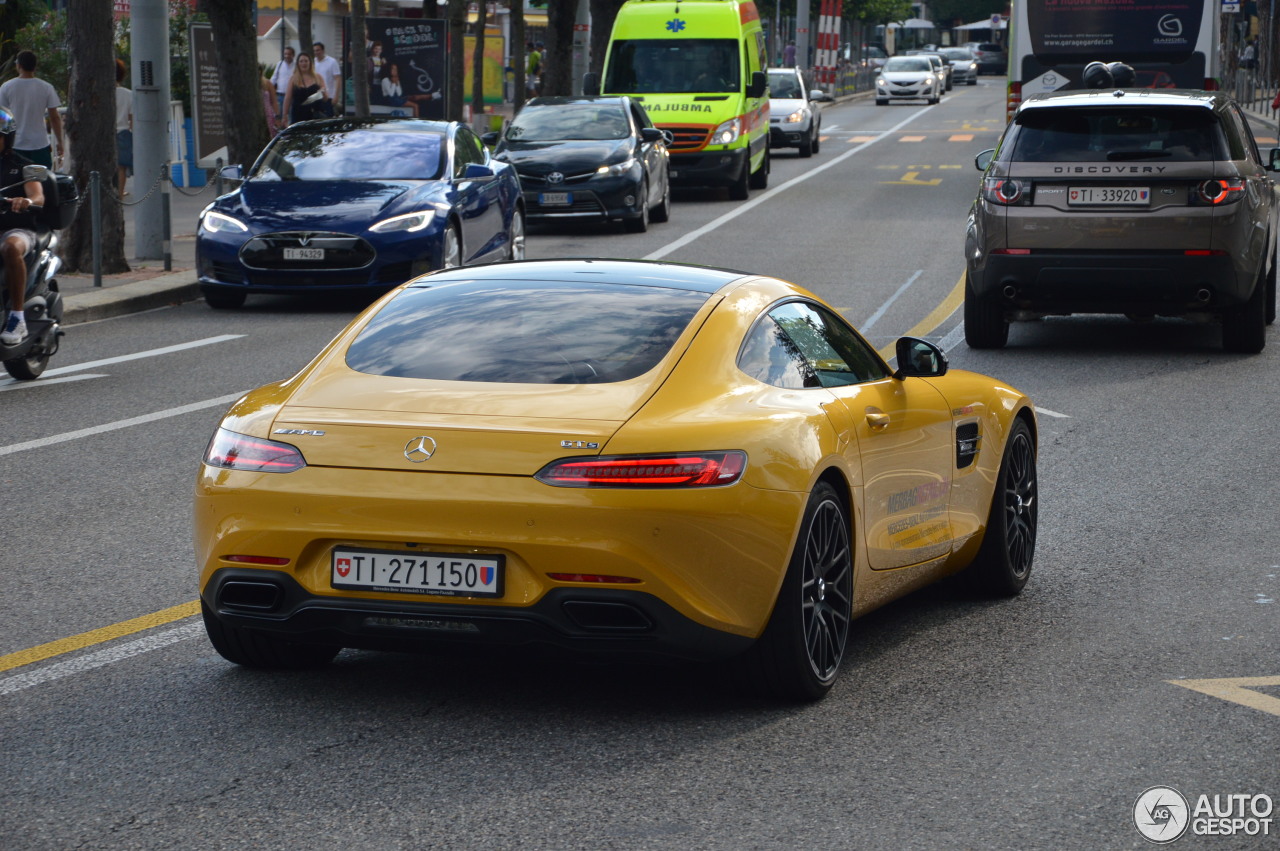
(220, 223)
(797, 116)
(617, 168)
(409, 222)
(727, 133)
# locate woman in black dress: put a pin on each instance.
(304, 83)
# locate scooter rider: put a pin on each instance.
(17, 227)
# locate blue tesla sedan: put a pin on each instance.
(358, 204)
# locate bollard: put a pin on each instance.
(95, 217)
(166, 232)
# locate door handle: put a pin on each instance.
(878, 420)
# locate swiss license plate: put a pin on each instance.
(555, 199)
(448, 574)
(1129, 196)
(304, 254)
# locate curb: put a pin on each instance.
(118, 300)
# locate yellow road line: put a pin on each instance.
(1238, 690)
(97, 636)
(935, 318)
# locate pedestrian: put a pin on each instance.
(30, 99)
(303, 86)
(124, 127)
(1249, 56)
(533, 68)
(269, 105)
(789, 55)
(17, 227)
(329, 70)
(281, 76)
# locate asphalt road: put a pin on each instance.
(957, 723)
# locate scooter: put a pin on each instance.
(27, 359)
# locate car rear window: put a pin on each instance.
(524, 332)
(1117, 135)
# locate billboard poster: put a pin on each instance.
(495, 47)
(1073, 28)
(406, 63)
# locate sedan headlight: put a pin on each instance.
(973, 66)
(797, 116)
(727, 133)
(409, 222)
(928, 78)
(881, 82)
(220, 223)
(617, 169)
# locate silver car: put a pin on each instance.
(964, 65)
(1132, 202)
(908, 77)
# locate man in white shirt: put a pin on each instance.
(327, 67)
(280, 79)
(29, 99)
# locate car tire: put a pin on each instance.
(760, 177)
(639, 223)
(1004, 558)
(1271, 289)
(27, 368)
(451, 248)
(973, 81)
(798, 655)
(254, 649)
(1244, 328)
(817, 138)
(221, 298)
(882, 102)
(741, 188)
(806, 144)
(516, 237)
(985, 326)
(662, 212)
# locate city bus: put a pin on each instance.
(1172, 44)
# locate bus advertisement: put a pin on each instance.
(1170, 44)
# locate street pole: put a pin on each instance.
(581, 44)
(150, 52)
(802, 33)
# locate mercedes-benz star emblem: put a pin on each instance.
(555, 177)
(419, 449)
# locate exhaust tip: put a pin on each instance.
(1203, 295)
(1010, 291)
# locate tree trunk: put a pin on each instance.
(359, 63)
(557, 59)
(456, 14)
(304, 29)
(603, 14)
(477, 61)
(518, 58)
(236, 42)
(91, 131)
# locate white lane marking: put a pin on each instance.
(953, 338)
(94, 364)
(23, 385)
(880, 311)
(119, 424)
(743, 207)
(99, 658)
(1049, 413)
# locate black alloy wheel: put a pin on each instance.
(640, 223)
(662, 212)
(1003, 563)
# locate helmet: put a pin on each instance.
(1097, 76)
(8, 124)
(1122, 74)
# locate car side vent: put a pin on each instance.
(967, 440)
(597, 616)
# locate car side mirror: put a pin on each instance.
(919, 359)
(820, 96)
(1274, 163)
(34, 172)
(590, 84)
(232, 172)
(477, 171)
(982, 160)
(651, 134)
(759, 84)
(490, 138)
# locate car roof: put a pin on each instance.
(705, 279)
(410, 125)
(1126, 98)
(560, 100)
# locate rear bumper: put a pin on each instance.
(600, 621)
(1163, 283)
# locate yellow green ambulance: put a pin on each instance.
(698, 67)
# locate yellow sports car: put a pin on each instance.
(616, 456)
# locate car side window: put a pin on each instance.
(805, 345)
(1246, 134)
(466, 150)
(770, 355)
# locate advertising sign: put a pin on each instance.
(406, 62)
(206, 99)
(1072, 28)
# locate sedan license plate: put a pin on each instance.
(447, 574)
(555, 199)
(304, 254)
(1114, 196)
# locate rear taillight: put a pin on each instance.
(676, 470)
(1006, 191)
(234, 451)
(1220, 190)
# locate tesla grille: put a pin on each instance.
(341, 251)
(687, 138)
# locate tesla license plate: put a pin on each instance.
(555, 199)
(1112, 196)
(448, 574)
(304, 254)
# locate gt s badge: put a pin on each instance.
(579, 444)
